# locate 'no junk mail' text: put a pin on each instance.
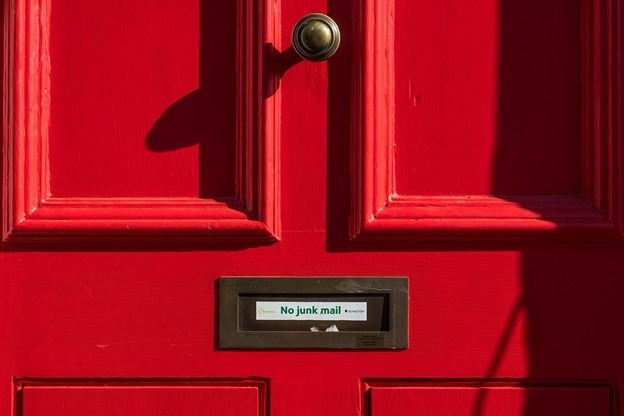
(311, 311)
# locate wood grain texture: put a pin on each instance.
(35, 214)
(133, 398)
(593, 213)
(512, 400)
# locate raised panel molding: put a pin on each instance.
(379, 213)
(31, 213)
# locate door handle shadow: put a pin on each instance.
(183, 123)
(276, 64)
(178, 126)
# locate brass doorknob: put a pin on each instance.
(316, 37)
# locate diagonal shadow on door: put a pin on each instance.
(568, 295)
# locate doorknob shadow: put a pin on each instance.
(201, 118)
(276, 64)
(178, 126)
(206, 117)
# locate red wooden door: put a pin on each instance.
(152, 147)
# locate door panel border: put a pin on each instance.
(31, 213)
(379, 213)
(484, 386)
(20, 384)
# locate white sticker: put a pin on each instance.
(311, 311)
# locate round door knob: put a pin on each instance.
(316, 37)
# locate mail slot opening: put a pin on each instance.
(313, 312)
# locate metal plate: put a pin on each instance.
(313, 313)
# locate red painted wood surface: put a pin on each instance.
(112, 280)
(137, 399)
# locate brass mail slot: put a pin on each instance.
(313, 313)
